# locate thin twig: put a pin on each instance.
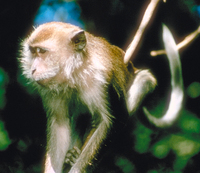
(146, 18)
(188, 39)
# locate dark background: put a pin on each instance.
(22, 118)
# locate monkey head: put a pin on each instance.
(52, 52)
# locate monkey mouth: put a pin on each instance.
(44, 79)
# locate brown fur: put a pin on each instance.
(73, 72)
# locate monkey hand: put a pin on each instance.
(72, 155)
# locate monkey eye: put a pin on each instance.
(37, 50)
(40, 50)
(32, 49)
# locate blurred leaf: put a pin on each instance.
(161, 148)
(189, 123)
(125, 165)
(194, 90)
(3, 78)
(22, 146)
(4, 139)
(142, 138)
(183, 146)
(3, 82)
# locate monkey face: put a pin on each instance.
(52, 53)
(41, 63)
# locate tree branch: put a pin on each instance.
(188, 39)
(146, 18)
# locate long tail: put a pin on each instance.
(177, 94)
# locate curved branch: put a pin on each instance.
(177, 94)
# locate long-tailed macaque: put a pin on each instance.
(76, 75)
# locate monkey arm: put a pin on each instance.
(90, 148)
(58, 142)
(88, 138)
(73, 154)
(108, 113)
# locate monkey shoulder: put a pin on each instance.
(112, 56)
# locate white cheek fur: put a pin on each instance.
(27, 62)
(46, 75)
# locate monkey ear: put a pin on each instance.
(79, 40)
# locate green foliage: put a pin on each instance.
(194, 90)
(3, 82)
(184, 144)
(189, 123)
(142, 138)
(125, 165)
(161, 148)
(4, 139)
